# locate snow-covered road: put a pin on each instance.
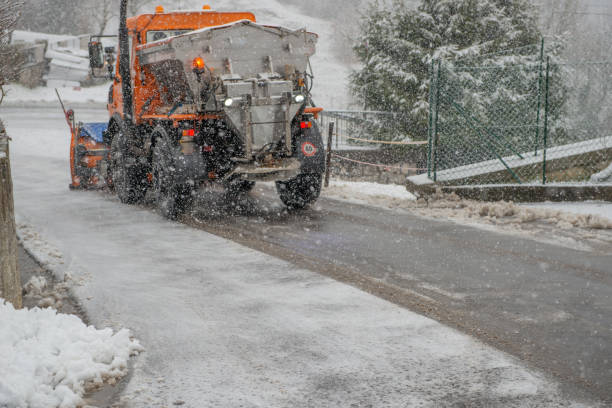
(226, 326)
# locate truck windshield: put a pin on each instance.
(161, 35)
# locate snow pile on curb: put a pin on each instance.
(562, 219)
(503, 213)
(50, 360)
(589, 209)
(391, 195)
(35, 285)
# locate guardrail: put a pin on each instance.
(10, 282)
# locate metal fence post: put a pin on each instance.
(434, 154)
(541, 67)
(329, 150)
(10, 282)
(546, 114)
(429, 129)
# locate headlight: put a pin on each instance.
(228, 102)
(299, 98)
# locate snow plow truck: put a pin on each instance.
(200, 97)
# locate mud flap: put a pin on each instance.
(310, 150)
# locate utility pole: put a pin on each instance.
(10, 281)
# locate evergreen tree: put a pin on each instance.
(398, 44)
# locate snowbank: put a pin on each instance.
(49, 360)
(367, 193)
(588, 208)
(20, 95)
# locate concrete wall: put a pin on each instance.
(579, 167)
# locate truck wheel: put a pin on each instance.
(128, 176)
(172, 199)
(301, 191)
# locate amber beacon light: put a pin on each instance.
(198, 64)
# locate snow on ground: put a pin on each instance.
(367, 193)
(22, 96)
(50, 258)
(589, 208)
(228, 326)
(50, 360)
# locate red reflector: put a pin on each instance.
(189, 132)
(207, 149)
(306, 125)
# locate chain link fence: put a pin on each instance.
(369, 129)
(519, 117)
(372, 146)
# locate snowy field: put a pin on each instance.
(226, 326)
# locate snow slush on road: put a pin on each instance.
(216, 97)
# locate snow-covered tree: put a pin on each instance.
(137, 6)
(398, 43)
(101, 13)
(56, 16)
(10, 59)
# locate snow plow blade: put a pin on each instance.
(88, 153)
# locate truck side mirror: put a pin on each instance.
(96, 55)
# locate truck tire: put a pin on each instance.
(172, 199)
(129, 178)
(301, 191)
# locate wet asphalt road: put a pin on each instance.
(546, 304)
